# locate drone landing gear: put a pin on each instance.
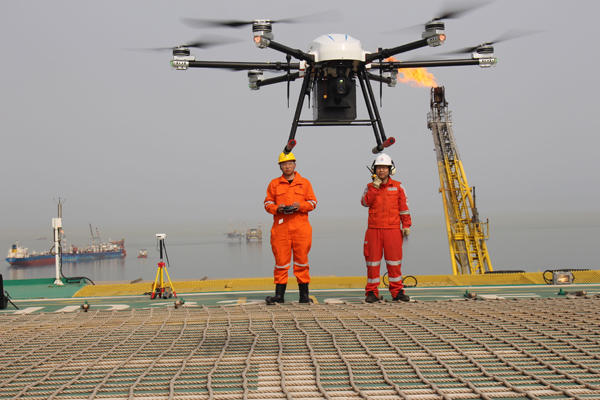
(303, 92)
(374, 118)
(382, 141)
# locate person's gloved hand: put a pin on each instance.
(376, 182)
(405, 232)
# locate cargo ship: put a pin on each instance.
(19, 256)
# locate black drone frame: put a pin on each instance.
(360, 71)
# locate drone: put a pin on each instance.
(331, 68)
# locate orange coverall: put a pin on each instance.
(291, 232)
(388, 213)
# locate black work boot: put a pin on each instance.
(371, 298)
(304, 293)
(401, 296)
(279, 293)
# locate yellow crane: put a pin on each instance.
(466, 233)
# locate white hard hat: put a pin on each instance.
(384, 159)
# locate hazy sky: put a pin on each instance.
(133, 144)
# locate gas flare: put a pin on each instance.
(418, 77)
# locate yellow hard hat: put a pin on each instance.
(286, 157)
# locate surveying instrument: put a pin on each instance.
(158, 287)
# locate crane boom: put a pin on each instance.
(92, 233)
(466, 233)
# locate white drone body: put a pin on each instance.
(337, 46)
(333, 70)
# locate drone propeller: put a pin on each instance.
(509, 35)
(457, 10)
(326, 16)
(202, 23)
(452, 10)
(201, 43)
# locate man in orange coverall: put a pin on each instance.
(389, 222)
(290, 198)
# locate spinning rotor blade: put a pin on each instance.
(203, 23)
(509, 35)
(201, 43)
(326, 16)
(456, 10)
(452, 10)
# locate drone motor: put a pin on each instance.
(483, 51)
(263, 33)
(181, 51)
(485, 54)
(254, 76)
(181, 58)
(392, 76)
(434, 33)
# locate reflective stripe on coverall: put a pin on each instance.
(291, 232)
(388, 213)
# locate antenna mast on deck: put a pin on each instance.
(57, 226)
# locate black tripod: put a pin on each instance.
(4, 296)
(5, 299)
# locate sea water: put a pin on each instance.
(337, 250)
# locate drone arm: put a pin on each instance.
(385, 53)
(379, 78)
(278, 79)
(423, 64)
(235, 65)
(296, 53)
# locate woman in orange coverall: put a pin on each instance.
(389, 221)
(290, 198)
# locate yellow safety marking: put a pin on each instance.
(329, 282)
(314, 299)
(241, 300)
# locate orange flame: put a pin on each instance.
(417, 77)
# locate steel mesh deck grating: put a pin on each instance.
(508, 349)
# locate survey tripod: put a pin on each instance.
(158, 287)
